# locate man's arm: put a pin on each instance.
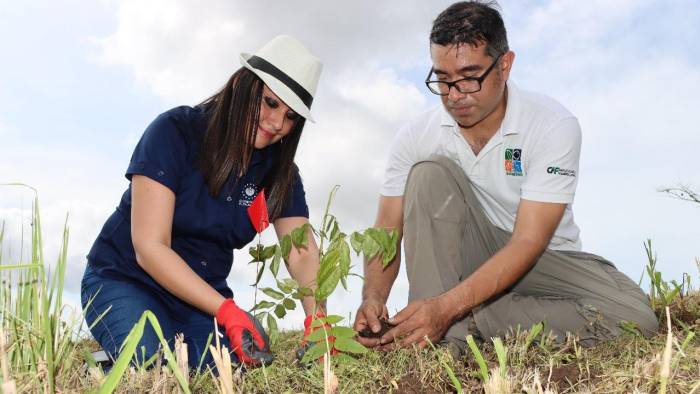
(379, 280)
(535, 224)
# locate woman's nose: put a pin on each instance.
(276, 119)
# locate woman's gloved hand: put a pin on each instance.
(247, 336)
(305, 346)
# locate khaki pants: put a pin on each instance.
(447, 237)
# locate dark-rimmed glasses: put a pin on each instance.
(464, 85)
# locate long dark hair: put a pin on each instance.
(232, 122)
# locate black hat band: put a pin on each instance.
(269, 68)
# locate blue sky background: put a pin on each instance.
(80, 80)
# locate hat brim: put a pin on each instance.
(280, 89)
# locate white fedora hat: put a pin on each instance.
(289, 70)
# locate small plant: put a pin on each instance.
(498, 380)
(661, 292)
(32, 307)
(335, 267)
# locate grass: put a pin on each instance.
(628, 364)
(43, 350)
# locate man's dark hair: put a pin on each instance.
(472, 23)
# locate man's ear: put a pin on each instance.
(506, 64)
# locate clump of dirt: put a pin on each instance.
(565, 375)
(687, 309)
(411, 384)
(368, 333)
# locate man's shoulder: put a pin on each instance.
(424, 122)
(541, 107)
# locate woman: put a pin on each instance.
(168, 247)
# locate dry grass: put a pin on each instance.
(629, 364)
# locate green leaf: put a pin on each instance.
(272, 293)
(328, 274)
(287, 285)
(260, 273)
(317, 335)
(356, 240)
(129, 349)
(336, 231)
(328, 284)
(479, 358)
(343, 358)
(330, 319)
(315, 351)
(275, 265)
(269, 251)
(370, 247)
(502, 355)
(381, 236)
(300, 236)
(302, 292)
(344, 263)
(264, 305)
(256, 252)
(534, 331)
(330, 219)
(349, 345)
(286, 247)
(289, 304)
(280, 312)
(272, 328)
(343, 332)
(341, 247)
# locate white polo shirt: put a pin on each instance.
(533, 156)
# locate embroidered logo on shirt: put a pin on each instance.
(248, 193)
(561, 171)
(513, 162)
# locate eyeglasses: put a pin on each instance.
(464, 85)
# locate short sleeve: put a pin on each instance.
(160, 154)
(552, 172)
(296, 203)
(401, 158)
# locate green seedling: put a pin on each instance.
(335, 248)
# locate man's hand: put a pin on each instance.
(368, 317)
(431, 317)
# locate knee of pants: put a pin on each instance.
(433, 189)
(426, 175)
(113, 307)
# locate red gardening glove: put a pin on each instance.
(308, 330)
(246, 334)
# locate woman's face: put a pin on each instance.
(276, 119)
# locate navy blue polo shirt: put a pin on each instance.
(206, 229)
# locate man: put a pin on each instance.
(481, 188)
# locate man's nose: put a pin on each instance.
(455, 95)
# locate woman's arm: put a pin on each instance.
(152, 209)
(303, 263)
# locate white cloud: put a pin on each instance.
(605, 61)
(363, 99)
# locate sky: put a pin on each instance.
(80, 80)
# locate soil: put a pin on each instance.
(565, 375)
(411, 384)
(368, 333)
